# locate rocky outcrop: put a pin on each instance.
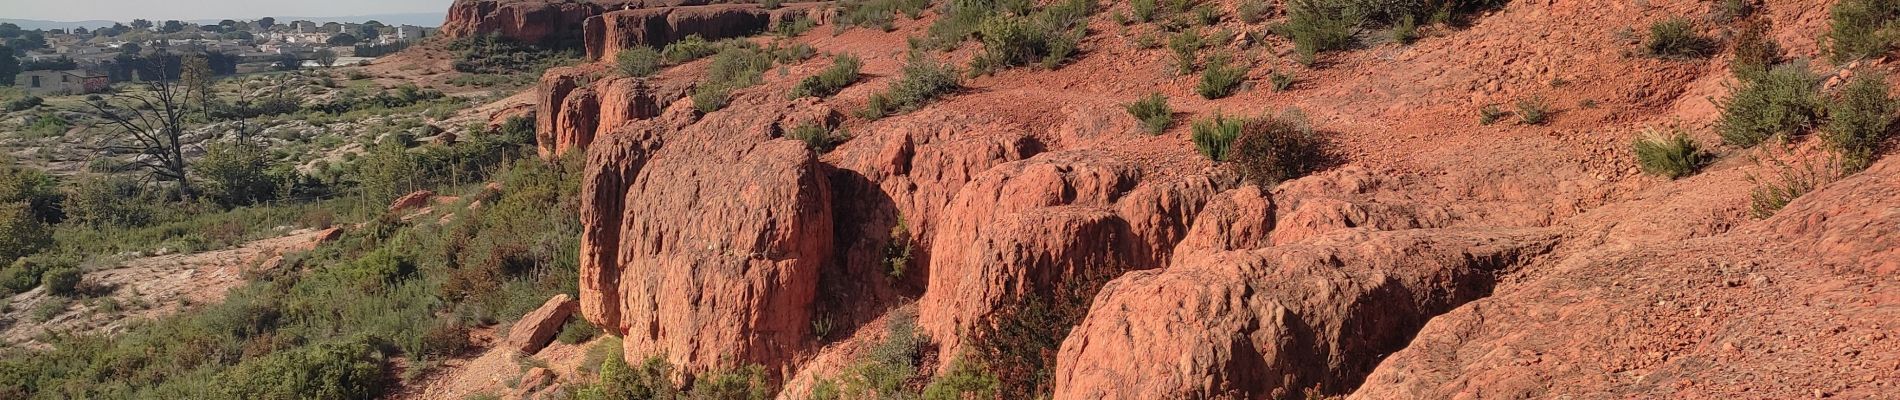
(1270, 323)
(417, 199)
(1787, 308)
(529, 21)
(1042, 226)
(538, 327)
(608, 33)
(716, 231)
(581, 104)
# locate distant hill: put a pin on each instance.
(428, 19)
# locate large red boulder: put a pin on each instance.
(1274, 322)
(716, 232)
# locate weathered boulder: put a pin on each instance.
(717, 238)
(608, 33)
(552, 114)
(536, 329)
(417, 199)
(999, 239)
(1271, 323)
(1797, 306)
(531, 21)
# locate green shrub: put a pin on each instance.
(38, 190)
(1781, 102)
(1788, 183)
(710, 98)
(1670, 156)
(1861, 121)
(25, 103)
(878, 13)
(1533, 110)
(652, 380)
(890, 364)
(1186, 47)
(1755, 52)
(61, 281)
(1862, 29)
(1221, 78)
(1491, 114)
(897, 253)
(21, 233)
(966, 379)
(1282, 81)
(341, 370)
(1406, 30)
(693, 47)
(842, 72)
(1317, 26)
(1153, 112)
(577, 330)
(22, 275)
(1251, 11)
(639, 61)
(1676, 37)
(1143, 10)
(236, 174)
(1272, 150)
(1214, 136)
(1048, 37)
(924, 80)
(816, 137)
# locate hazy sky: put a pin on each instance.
(126, 10)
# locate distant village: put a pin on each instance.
(80, 61)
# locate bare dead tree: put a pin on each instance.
(151, 124)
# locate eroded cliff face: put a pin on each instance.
(527, 21)
(1443, 259)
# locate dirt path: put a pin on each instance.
(146, 288)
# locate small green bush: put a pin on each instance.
(1788, 183)
(1781, 102)
(22, 275)
(1153, 112)
(1755, 52)
(1672, 156)
(21, 234)
(1272, 150)
(1317, 26)
(693, 47)
(1860, 123)
(1282, 81)
(924, 80)
(639, 61)
(577, 330)
(967, 379)
(880, 14)
(1221, 78)
(61, 281)
(1049, 36)
(1533, 110)
(1406, 30)
(1186, 47)
(237, 174)
(1251, 11)
(1862, 29)
(1491, 114)
(1214, 136)
(816, 137)
(1676, 38)
(342, 370)
(897, 253)
(1143, 10)
(842, 72)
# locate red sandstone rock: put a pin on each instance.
(530, 21)
(417, 199)
(1270, 323)
(538, 327)
(717, 232)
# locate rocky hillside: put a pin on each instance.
(1480, 229)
